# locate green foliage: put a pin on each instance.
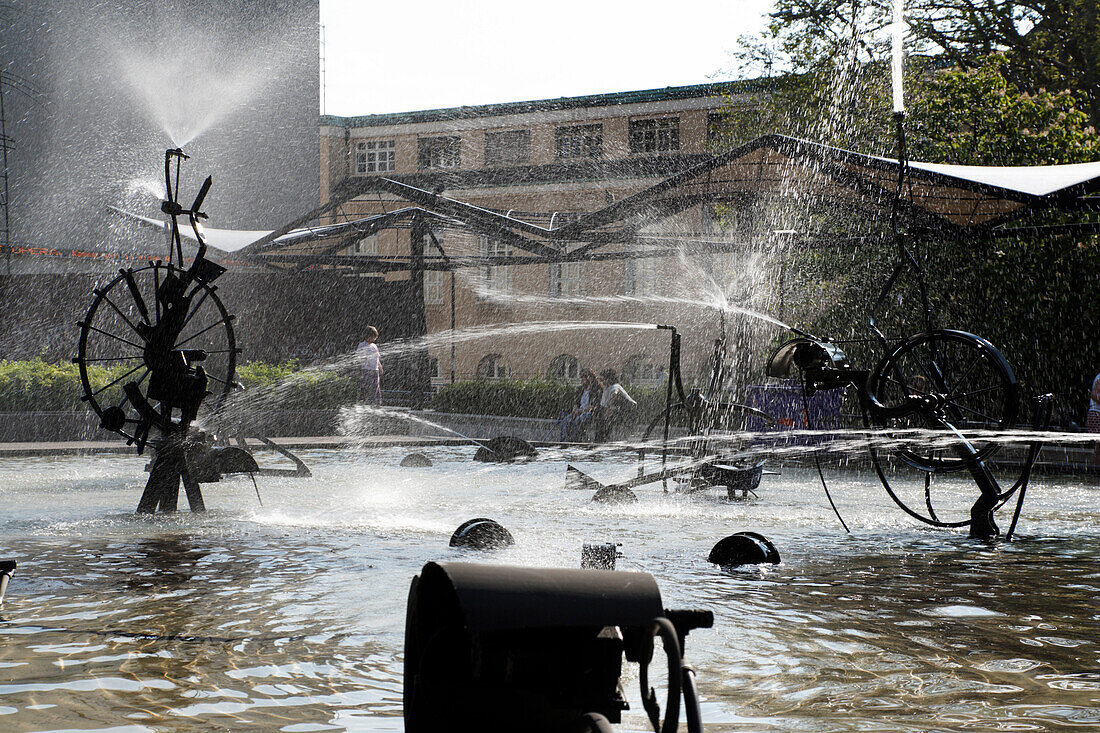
(1048, 44)
(286, 387)
(526, 398)
(979, 117)
(38, 386)
(29, 386)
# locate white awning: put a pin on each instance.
(226, 240)
(1037, 180)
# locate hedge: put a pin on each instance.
(38, 386)
(527, 398)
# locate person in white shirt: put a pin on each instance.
(614, 404)
(371, 362)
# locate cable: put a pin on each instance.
(817, 457)
(257, 487)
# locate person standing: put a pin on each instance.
(614, 404)
(1092, 420)
(573, 425)
(371, 362)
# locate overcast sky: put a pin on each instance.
(404, 56)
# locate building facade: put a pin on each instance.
(543, 161)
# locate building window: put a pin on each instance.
(495, 278)
(579, 141)
(492, 366)
(565, 279)
(433, 279)
(659, 135)
(366, 246)
(564, 366)
(438, 152)
(639, 368)
(640, 276)
(433, 367)
(508, 148)
(374, 156)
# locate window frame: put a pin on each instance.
(505, 155)
(438, 152)
(648, 135)
(495, 279)
(368, 153)
(565, 279)
(495, 365)
(589, 145)
(564, 366)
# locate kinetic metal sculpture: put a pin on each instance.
(167, 325)
(954, 388)
(707, 456)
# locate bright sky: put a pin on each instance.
(405, 56)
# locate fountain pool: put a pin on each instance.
(289, 616)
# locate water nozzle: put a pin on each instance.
(664, 327)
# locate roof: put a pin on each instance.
(694, 91)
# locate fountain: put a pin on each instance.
(289, 615)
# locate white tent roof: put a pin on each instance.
(227, 240)
(1037, 180)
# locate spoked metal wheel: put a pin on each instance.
(115, 340)
(915, 459)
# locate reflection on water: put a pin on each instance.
(290, 616)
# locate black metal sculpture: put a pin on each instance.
(167, 325)
(950, 382)
(706, 456)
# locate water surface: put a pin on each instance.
(289, 616)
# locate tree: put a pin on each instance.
(979, 117)
(1049, 45)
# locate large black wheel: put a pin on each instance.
(113, 336)
(978, 393)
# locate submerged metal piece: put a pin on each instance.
(743, 548)
(481, 533)
(7, 569)
(504, 449)
(416, 460)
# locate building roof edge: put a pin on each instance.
(640, 96)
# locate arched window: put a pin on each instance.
(640, 368)
(564, 366)
(492, 366)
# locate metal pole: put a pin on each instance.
(7, 201)
(452, 326)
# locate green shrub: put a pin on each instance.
(528, 398)
(286, 387)
(38, 386)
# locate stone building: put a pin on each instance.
(542, 161)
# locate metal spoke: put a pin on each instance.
(111, 335)
(194, 309)
(113, 358)
(128, 276)
(123, 315)
(156, 290)
(116, 381)
(200, 333)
